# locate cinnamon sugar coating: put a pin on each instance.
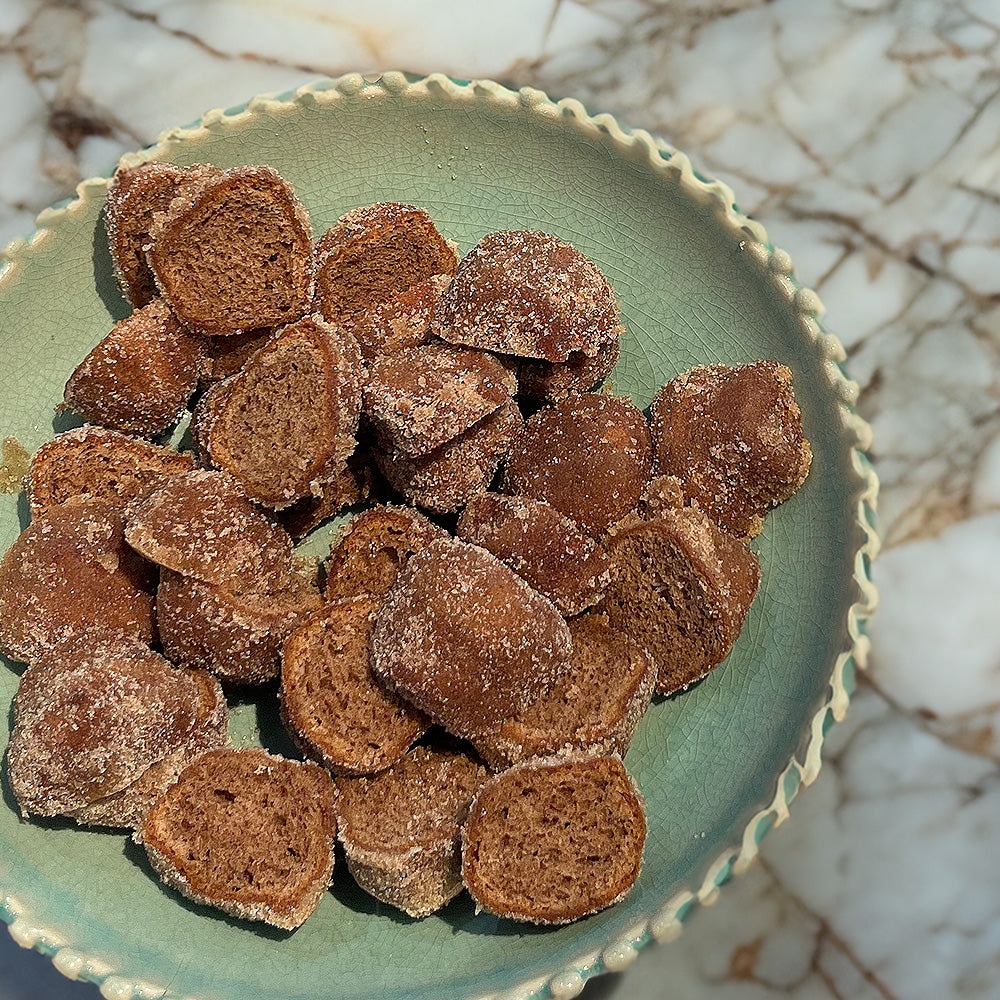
(102, 725)
(401, 321)
(733, 437)
(401, 829)
(538, 832)
(543, 546)
(681, 588)
(139, 378)
(531, 295)
(548, 381)
(466, 639)
(589, 456)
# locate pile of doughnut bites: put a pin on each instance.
(531, 562)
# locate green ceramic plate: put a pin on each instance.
(697, 283)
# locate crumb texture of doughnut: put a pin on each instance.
(135, 196)
(401, 829)
(681, 588)
(235, 633)
(589, 456)
(370, 551)
(422, 397)
(593, 708)
(374, 253)
(552, 840)
(234, 252)
(286, 422)
(200, 524)
(531, 295)
(548, 381)
(70, 570)
(333, 706)
(139, 378)
(102, 724)
(93, 463)
(402, 321)
(466, 639)
(448, 477)
(539, 544)
(246, 832)
(733, 436)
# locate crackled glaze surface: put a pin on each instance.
(863, 134)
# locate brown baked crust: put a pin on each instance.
(93, 463)
(681, 588)
(246, 832)
(102, 724)
(539, 544)
(531, 295)
(332, 704)
(139, 378)
(233, 252)
(733, 437)
(588, 455)
(366, 557)
(70, 570)
(401, 829)
(286, 422)
(234, 633)
(466, 640)
(373, 253)
(538, 832)
(593, 708)
(422, 397)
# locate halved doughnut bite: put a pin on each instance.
(531, 295)
(139, 378)
(401, 829)
(93, 463)
(681, 588)
(539, 544)
(334, 707)
(248, 833)
(466, 640)
(286, 422)
(401, 321)
(548, 381)
(374, 253)
(103, 724)
(538, 833)
(593, 708)
(589, 456)
(233, 252)
(733, 437)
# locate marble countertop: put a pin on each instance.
(865, 135)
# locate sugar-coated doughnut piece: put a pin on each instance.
(548, 381)
(589, 456)
(70, 570)
(733, 436)
(402, 321)
(446, 479)
(374, 253)
(93, 463)
(247, 832)
(286, 422)
(594, 707)
(103, 724)
(234, 632)
(539, 544)
(333, 706)
(367, 555)
(200, 523)
(528, 294)
(466, 640)
(139, 378)
(348, 486)
(226, 355)
(233, 251)
(553, 839)
(681, 588)
(422, 397)
(401, 829)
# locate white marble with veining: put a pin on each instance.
(865, 135)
